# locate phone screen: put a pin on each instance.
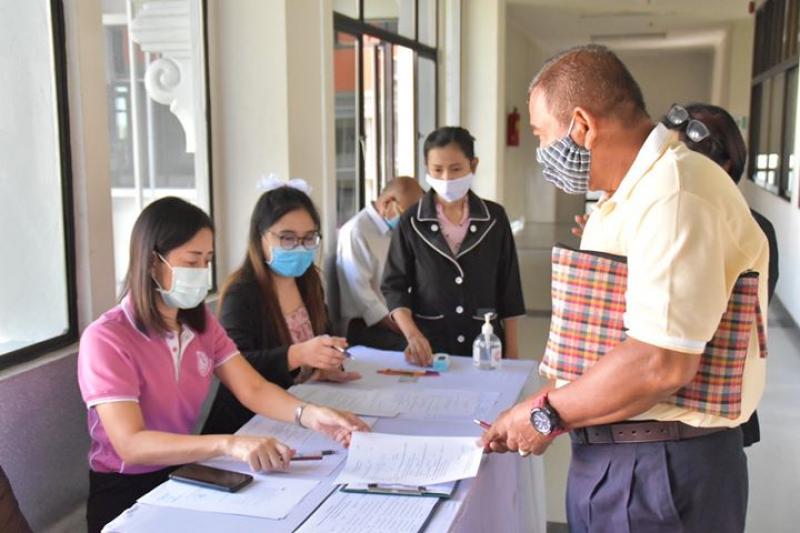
(211, 477)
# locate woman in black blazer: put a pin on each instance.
(452, 259)
(273, 307)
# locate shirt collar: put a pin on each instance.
(427, 212)
(130, 314)
(651, 151)
(377, 219)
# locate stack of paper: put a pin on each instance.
(420, 404)
(410, 460)
(266, 497)
(357, 513)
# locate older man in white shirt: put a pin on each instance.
(360, 258)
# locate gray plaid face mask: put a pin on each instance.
(566, 164)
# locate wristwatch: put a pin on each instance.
(298, 414)
(545, 419)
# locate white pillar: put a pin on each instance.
(483, 39)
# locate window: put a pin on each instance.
(157, 102)
(773, 107)
(385, 80)
(37, 312)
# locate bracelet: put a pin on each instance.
(298, 414)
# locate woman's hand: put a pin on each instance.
(419, 351)
(261, 453)
(335, 376)
(580, 223)
(320, 352)
(339, 425)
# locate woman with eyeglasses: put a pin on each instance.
(273, 306)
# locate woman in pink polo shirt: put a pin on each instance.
(145, 368)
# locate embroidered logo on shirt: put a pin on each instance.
(203, 364)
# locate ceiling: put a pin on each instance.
(559, 23)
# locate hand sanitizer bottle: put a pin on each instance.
(487, 350)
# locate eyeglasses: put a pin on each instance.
(696, 131)
(290, 241)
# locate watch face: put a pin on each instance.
(541, 422)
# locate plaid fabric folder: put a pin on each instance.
(588, 292)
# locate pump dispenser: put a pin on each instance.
(487, 350)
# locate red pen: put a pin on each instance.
(482, 424)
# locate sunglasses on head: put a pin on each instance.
(679, 117)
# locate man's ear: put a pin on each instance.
(584, 129)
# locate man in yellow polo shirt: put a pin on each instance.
(640, 460)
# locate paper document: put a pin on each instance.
(369, 513)
(300, 439)
(266, 497)
(410, 460)
(361, 402)
(421, 404)
(440, 403)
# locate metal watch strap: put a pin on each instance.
(298, 414)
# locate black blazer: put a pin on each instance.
(242, 317)
(447, 293)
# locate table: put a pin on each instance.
(507, 494)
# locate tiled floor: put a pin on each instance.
(774, 462)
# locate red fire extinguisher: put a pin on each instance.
(512, 128)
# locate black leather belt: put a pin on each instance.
(645, 431)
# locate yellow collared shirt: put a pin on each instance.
(688, 234)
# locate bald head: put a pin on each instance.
(591, 77)
(398, 195)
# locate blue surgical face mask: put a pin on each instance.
(189, 287)
(393, 222)
(566, 164)
(291, 263)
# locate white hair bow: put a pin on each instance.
(272, 181)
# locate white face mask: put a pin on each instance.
(451, 190)
(189, 286)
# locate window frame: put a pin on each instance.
(59, 65)
(775, 54)
(358, 29)
(203, 5)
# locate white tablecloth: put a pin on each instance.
(507, 495)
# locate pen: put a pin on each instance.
(312, 456)
(345, 352)
(412, 373)
(481, 423)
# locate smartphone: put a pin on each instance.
(213, 478)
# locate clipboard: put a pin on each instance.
(441, 490)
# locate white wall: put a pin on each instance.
(667, 76)
(483, 27)
(525, 193)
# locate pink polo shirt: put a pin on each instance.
(169, 380)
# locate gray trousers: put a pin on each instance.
(691, 486)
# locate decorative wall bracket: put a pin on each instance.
(164, 28)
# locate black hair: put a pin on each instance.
(160, 228)
(270, 208)
(725, 145)
(447, 135)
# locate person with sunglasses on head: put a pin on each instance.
(711, 130)
(657, 352)
(273, 306)
(146, 366)
(362, 248)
